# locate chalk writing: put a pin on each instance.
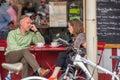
(108, 21)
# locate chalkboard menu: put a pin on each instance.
(108, 21)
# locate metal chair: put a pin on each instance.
(12, 68)
(101, 47)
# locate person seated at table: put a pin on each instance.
(18, 43)
(44, 11)
(75, 28)
(28, 8)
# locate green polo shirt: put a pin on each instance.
(17, 41)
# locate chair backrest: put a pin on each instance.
(101, 47)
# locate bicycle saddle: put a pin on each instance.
(115, 57)
(15, 67)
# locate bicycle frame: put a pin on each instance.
(80, 62)
(34, 78)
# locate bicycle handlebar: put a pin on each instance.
(115, 57)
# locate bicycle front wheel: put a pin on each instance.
(70, 75)
(34, 78)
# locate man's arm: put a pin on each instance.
(37, 36)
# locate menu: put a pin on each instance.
(108, 21)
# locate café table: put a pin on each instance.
(47, 55)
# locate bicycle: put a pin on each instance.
(80, 62)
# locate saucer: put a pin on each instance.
(40, 46)
(54, 45)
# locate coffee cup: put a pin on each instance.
(54, 44)
(40, 44)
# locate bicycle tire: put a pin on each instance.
(34, 78)
(70, 75)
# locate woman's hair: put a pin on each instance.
(27, 3)
(77, 26)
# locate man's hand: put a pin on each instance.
(84, 45)
(33, 28)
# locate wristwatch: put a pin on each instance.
(36, 31)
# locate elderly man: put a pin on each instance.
(18, 42)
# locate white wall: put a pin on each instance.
(106, 62)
